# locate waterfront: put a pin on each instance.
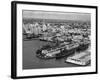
(58, 30)
(30, 61)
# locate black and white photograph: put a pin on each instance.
(54, 39)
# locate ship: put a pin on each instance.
(47, 51)
(69, 50)
(56, 51)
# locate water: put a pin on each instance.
(30, 61)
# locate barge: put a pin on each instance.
(82, 59)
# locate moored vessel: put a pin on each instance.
(57, 51)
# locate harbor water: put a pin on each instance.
(30, 61)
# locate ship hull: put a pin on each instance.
(60, 54)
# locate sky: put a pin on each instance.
(56, 15)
